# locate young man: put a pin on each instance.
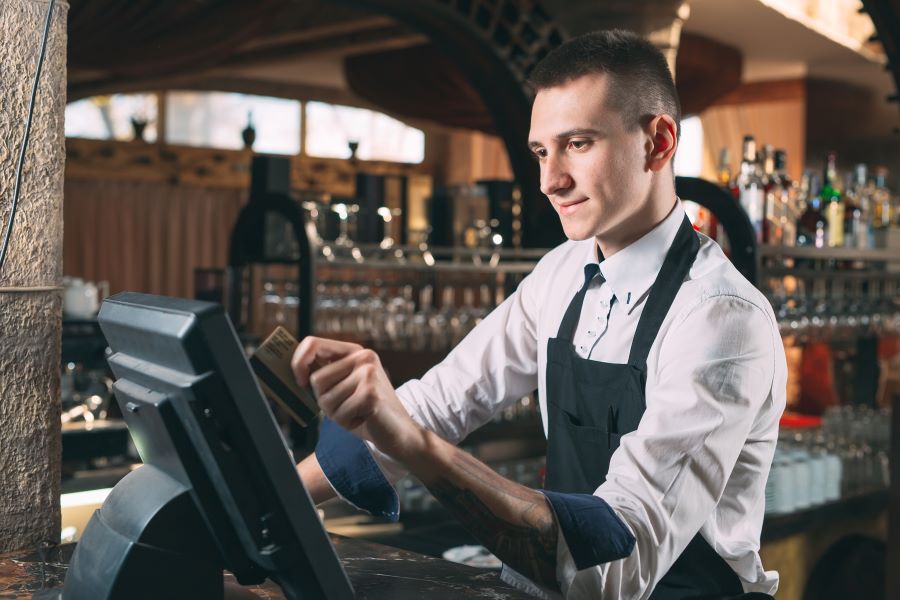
(660, 371)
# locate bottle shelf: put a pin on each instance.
(853, 254)
(437, 267)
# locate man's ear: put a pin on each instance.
(662, 142)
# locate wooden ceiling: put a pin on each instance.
(283, 48)
(116, 46)
(330, 51)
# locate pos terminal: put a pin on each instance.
(218, 488)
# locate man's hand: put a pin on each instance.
(514, 522)
(352, 389)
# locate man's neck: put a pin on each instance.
(640, 224)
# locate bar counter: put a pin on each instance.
(376, 572)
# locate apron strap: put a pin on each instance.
(675, 268)
(573, 312)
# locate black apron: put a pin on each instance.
(591, 405)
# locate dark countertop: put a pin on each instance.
(376, 572)
(433, 532)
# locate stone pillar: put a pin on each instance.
(659, 21)
(30, 293)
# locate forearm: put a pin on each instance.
(515, 522)
(352, 389)
(314, 479)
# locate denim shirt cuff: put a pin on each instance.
(592, 531)
(353, 473)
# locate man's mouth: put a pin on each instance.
(567, 208)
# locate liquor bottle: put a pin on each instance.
(724, 171)
(750, 187)
(852, 212)
(834, 206)
(723, 176)
(883, 212)
(772, 192)
(812, 228)
(788, 212)
(858, 211)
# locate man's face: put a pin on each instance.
(593, 165)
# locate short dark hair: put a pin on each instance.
(642, 83)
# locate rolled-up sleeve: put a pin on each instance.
(712, 379)
(593, 533)
(350, 469)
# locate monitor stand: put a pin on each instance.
(147, 541)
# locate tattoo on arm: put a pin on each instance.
(516, 523)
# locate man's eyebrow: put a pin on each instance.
(577, 131)
(567, 134)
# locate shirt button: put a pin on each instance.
(591, 332)
(582, 349)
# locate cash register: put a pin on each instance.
(218, 488)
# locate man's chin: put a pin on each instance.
(577, 235)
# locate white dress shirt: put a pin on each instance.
(715, 391)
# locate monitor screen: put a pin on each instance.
(196, 413)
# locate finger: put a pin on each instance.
(354, 410)
(327, 376)
(331, 400)
(313, 352)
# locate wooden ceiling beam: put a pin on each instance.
(316, 32)
(351, 42)
(218, 83)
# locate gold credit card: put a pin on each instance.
(272, 364)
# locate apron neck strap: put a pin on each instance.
(675, 268)
(573, 312)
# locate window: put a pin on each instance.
(110, 117)
(689, 156)
(217, 119)
(330, 129)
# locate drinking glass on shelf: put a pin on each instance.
(420, 336)
(291, 306)
(398, 318)
(391, 222)
(819, 306)
(317, 211)
(316, 208)
(347, 215)
(440, 321)
(419, 238)
(272, 306)
(465, 316)
(484, 304)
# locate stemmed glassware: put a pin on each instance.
(387, 316)
(832, 307)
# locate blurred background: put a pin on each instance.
(360, 171)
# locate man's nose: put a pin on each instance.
(555, 177)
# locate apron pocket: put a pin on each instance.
(586, 434)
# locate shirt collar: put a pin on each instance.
(631, 271)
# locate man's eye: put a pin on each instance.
(540, 153)
(578, 144)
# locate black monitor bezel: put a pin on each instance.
(188, 351)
